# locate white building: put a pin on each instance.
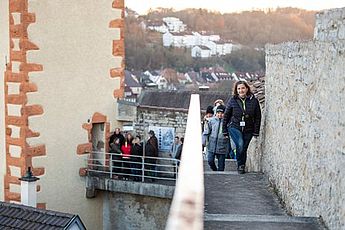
(212, 46)
(189, 40)
(168, 39)
(157, 26)
(174, 39)
(174, 24)
(168, 24)
(157, 79)
(60, 95)
(201, 51)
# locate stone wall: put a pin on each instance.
(304, 140)
(129, 211)
(162, 118)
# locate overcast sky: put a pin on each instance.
(142, 6)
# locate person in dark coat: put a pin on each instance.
(117, 134)
(136, 155)
(151, 150)
(242, 120)
(116, 156)
(218, 145)
(179, 151)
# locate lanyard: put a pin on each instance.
(244, 107)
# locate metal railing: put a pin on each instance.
(137, 168)
(187, 208)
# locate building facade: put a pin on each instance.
(62, 71)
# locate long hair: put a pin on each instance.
(235, 93)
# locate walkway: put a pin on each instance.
(234, 201)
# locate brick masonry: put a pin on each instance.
(17, 85)
(302, 148)
(86, 148)
(119, 49)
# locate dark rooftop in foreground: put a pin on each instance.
(15, 216)
(179, 99)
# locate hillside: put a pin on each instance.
(253, 29)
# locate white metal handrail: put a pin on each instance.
(115, 166)
(187, 208)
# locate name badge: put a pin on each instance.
(242, 123)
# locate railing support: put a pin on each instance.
(111, 165)
(142, 169)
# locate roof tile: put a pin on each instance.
(25, 217)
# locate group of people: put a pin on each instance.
(128, 152)
(239, 121)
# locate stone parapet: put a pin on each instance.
(303, 144)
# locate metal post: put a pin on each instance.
(111, 165)
(176, 168)
(142, 169)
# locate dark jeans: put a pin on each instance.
(126, 167)
(117, 164)
(220, 158)
(241, 141)
(150, 167)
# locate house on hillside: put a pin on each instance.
(174, 24)
(146, 82)
(158, 79)
(193, 77)
(132, 86)
(221, 75)
(170, 75)
(212, 46)
(247, 76)
(201, 52)
(205, 37)
(181, 77)
(219, 48)
(167, 24)
(176, 39)
(168, 39)
(223, 48)
(158, 25)
(214, 74)
(189, 39)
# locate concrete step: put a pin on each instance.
(239, 194)
(246, 201)
(260, 222)
(230, 165)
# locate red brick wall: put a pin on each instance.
(19, 31)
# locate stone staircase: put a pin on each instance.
(234, 201)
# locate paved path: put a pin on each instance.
(237, 202)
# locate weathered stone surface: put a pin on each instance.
(131, 187)
(155, 117)
(129, 211)
(303, 148)
(234, 201)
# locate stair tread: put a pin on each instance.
(246, 201)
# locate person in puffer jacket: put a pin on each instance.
(242, 120)
(218, 145)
